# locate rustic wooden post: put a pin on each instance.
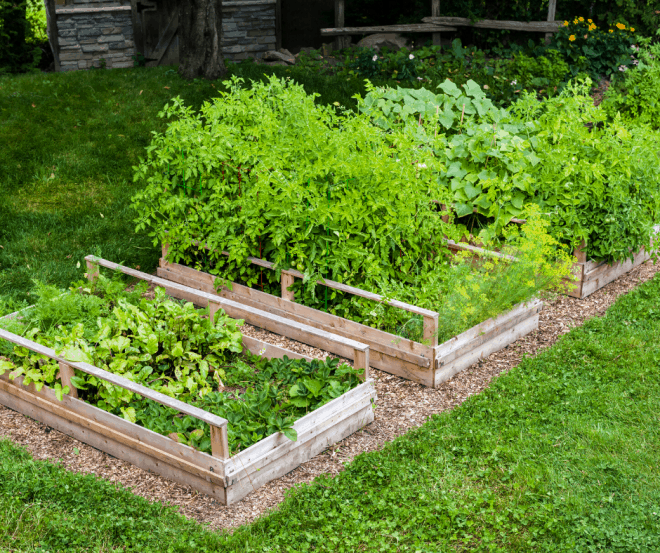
(435, 12)
(552, 7)
(165, 250)
(361, 361)
(278, 24)
(580, 252)
(219, 442)
(66, 373)
(92, 271)
(287, 280)
(340, 41)
(431, 330)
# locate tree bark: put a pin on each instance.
(200, 39)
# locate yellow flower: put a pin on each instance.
(571, 38)
(589, 20)
(581, 18)
(565, 23)
(621, 26)
(592, 27)
(632, 29)
(611, 31)
(575, 21)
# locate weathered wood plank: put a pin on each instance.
(340, 30)
(305, 427)
(526, 326)
(78, 11)
(270, 457)
(534, 26)
(340, 430)
(88, 418)
(270, 351)
(166, 37)
(490, 333)
(435, 12)
(445, 349)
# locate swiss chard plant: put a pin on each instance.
(175, 349)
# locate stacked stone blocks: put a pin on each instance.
(89, 39)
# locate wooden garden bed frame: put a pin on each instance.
(224, 477)
(592, 275)
(426, 362)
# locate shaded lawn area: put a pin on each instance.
(559, 455)
(69, 142)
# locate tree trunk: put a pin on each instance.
(200, 39)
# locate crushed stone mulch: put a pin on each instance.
(401, 406)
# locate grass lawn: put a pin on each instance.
(69, 141)
(560, 454)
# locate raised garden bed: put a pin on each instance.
(592, 275)
(226, 477)
(426, 362)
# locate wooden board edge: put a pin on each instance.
(110, 446)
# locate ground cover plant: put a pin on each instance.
(594, 178)
(557, 455)
(169, 347)
(267, 172)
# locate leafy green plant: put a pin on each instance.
(636, 96)
(174, 349)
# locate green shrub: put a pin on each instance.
(36, 17)
(598, 51)
(593, 179)
(16, 55)
(636, 96)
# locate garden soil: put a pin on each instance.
(401, 405)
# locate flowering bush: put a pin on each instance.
(595, 50)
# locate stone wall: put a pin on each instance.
(248, 28)
(95, 34)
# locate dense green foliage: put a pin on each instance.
(637, 95)
(268, 172)
(594, 178)
(171, 348)
(557, 455)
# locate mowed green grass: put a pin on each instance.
(559, 455)
(69, 142)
